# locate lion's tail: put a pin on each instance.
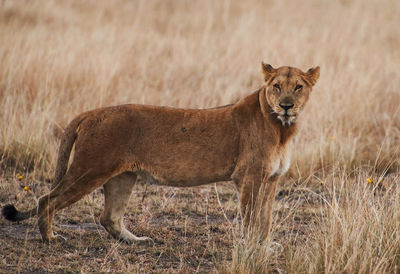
(67, 141)
(12, 214)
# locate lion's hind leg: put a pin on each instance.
(117, 192)
(70, 190)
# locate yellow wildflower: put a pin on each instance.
(19, 177)
(370, 181)
(27, 188)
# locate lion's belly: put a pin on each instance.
(187, 168)
(149, 177)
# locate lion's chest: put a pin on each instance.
(280, 164)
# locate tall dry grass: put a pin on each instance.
(357, 230)
(60, 58)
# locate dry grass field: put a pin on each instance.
(336, 211)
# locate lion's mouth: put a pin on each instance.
(287, 119)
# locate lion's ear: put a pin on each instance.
(313, 75)
(267, 70)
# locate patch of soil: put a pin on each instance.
(25, 231)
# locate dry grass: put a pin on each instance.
(60, 58)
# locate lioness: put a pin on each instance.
(247, 142)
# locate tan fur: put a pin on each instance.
(246, 142)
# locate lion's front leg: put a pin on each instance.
(267, 206)
(256, 204)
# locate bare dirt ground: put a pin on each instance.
(191, 230)
(188, 235)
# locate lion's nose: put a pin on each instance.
(286, 106)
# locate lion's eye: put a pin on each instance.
(277, 86)
(298, 87)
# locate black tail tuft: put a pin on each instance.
(10, 213)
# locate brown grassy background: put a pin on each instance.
(60, 58)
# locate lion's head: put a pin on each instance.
(287, 90)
